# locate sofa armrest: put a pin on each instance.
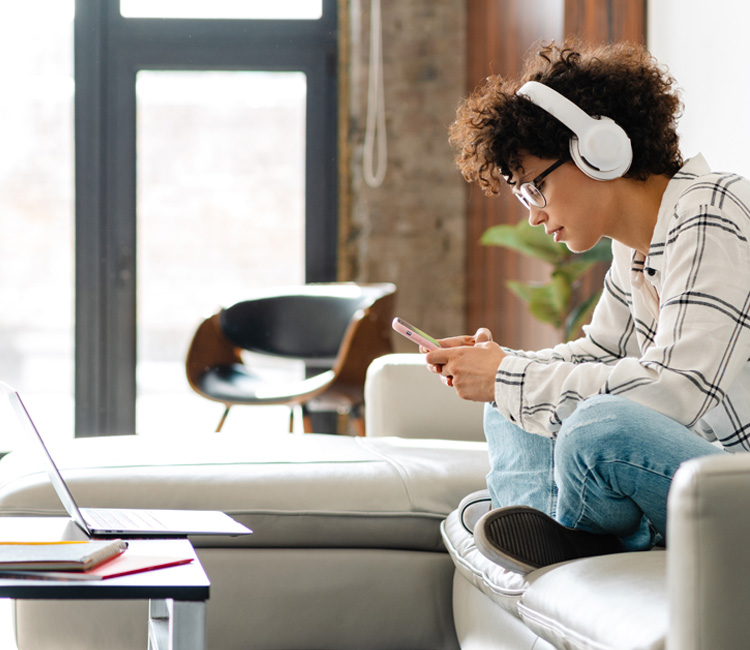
(708, 565)
(403, 399)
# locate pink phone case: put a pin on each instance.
(414, 334)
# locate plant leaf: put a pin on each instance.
(523, 291)
(551, 303)
(573, 269)
(579, 316)
(526, 239)
(548, 302)
(600, 252)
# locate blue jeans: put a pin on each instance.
(609, 470)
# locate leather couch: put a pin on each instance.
(692, 596)
(352, 533)
(347, 551)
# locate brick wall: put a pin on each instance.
(410, 230)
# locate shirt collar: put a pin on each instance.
(692, 169)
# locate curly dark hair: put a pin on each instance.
(494, 127)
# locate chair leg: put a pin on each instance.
(223, 418)
(307, 421)
(357, 420)
(359, 426)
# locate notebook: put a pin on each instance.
(56, 556)
(124, 522)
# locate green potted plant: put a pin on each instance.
(559, 302)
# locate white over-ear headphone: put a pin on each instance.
(600, 148)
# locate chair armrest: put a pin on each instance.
(403, 399)
(708, 563)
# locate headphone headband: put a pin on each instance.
(599, 147)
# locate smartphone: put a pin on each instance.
(414, 334)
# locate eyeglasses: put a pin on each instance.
(529, 194)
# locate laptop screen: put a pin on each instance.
(54, 474)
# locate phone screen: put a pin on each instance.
(414, 334)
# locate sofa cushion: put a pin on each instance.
(502, 587)
(617, 602)
(404, 399)
(610, 602)
(292, 490)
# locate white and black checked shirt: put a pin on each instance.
(671, 330)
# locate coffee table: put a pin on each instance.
(177, 595)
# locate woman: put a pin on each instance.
(584, 438)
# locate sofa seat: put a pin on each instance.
(346, 553)
(292, 490)
(608, 602)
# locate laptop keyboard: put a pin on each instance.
(124, 519)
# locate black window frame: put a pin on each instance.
(109, 52)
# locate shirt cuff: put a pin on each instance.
(511, 398)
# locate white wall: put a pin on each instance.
(704, 44)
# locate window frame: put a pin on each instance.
(109, 52)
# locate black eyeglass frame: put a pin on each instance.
(526, 195)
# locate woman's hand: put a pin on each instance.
(469, 364)
(453, 342)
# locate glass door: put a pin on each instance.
(220, 213)
(206, 166)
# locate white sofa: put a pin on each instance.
(351, 539)
(347, 551)
(693, 596)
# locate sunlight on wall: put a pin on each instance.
(704, 47)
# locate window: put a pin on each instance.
(36, 211)
(220, 212)
(131, 72)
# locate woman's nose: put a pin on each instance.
(536, 216)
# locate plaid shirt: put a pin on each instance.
(671, 330)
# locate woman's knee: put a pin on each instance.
(597, 422)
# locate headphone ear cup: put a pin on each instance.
(602, 150)
(600, 147)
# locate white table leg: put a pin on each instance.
(177, 625)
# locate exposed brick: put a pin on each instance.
(411, 230)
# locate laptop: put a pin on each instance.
(124, 522)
